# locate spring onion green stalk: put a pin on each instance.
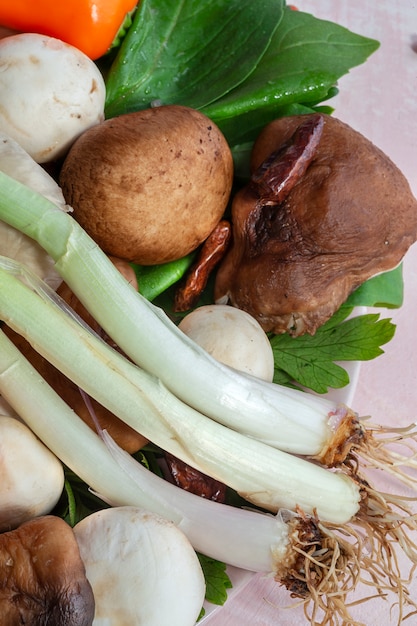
(312, 560)
(286, 418)
(16, 162)
(86, 454)
(262, 474)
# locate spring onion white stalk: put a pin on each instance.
(263, 475)
(313, 561)
(286, 418)
(243, 538)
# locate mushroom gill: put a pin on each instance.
(324, 210)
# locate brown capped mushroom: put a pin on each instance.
(42, 576)
(151, 185)
(324, 211)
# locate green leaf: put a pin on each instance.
(385, 290)
(72, 505)
(188, 52)
(77, 501)
(217, 579)
(303, 63)
(312, 361)
(281, 377)
(245, 127)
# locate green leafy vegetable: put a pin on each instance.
(303, 62)
(77, 501)
(217, 579)
(311, 361)
(188, 52)
(123, 30)
(242, 64)
(385, 290)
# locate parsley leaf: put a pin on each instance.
(312, 361)
(217, 579)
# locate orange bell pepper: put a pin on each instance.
(89, 25)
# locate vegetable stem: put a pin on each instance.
(244, 538)
(311, 559)
(262, 474)
(282, 417)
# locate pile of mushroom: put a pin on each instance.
(324, 211)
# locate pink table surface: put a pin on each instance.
(379, 99)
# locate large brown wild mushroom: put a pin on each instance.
(42, 576)
(324, 211)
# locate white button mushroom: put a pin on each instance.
(32, 478)
(50, 93)
(232, 337)
(142, 569)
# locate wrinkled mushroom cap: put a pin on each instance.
(43, 577)
(351, 216)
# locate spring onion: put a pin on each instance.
(17, 163)
(311, 559)
(264, 475)
(282, 417)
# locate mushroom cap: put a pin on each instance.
(32, 478)
(349, 217)
(151, 185)
(231, 336)
(50, 92)
(43, 577)
(142, 568)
